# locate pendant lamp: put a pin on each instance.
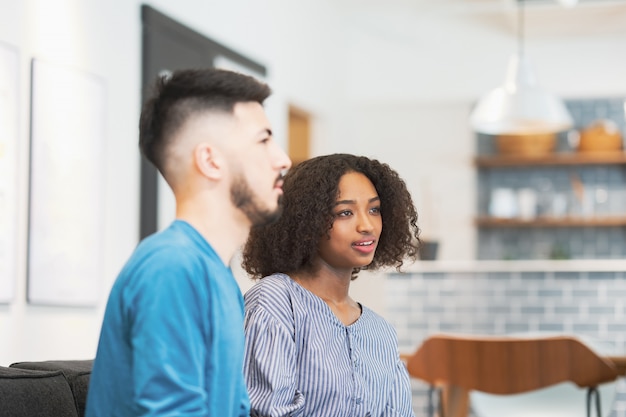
(520, 106)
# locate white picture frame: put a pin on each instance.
(9, 133)
(66, 186)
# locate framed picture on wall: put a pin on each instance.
(9, 116)
(66, 186)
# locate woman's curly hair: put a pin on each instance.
(311, 190)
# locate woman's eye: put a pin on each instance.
(375, 210)
(344, 213)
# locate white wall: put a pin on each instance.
(104, 38)
(430, 146)
(393, 82)
(455, 50)
(76, 34)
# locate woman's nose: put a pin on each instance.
(365, 224)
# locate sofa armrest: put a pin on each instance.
(28, 393)
(77, 373)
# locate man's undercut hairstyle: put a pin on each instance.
(185, 93)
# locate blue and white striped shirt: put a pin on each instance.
(301, 360)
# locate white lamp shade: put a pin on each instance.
(520, 106)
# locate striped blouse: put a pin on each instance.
(301, 360)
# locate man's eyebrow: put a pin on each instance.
(264, 132)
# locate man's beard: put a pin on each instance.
(244, 198)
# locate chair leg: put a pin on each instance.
(455, 401)
(431, 406)
(593, 394)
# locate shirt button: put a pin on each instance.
(358, 401)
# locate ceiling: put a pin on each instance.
(541, 17)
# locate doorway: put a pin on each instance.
(299, 141)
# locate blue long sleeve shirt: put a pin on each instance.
(172, 341)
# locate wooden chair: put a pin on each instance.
(457, 365)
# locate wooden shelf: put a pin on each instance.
(607, 221)
(595, 158)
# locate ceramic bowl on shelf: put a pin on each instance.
(531, 144)
(600, 136)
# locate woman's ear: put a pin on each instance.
(208, 161)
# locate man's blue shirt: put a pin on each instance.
(172, 338)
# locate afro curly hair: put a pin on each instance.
(311, 190)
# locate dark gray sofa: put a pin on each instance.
(45, 389)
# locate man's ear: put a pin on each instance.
(208, 161)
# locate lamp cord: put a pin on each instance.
(520, 26)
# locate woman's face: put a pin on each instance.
(357, 224)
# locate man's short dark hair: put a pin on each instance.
(187, 92)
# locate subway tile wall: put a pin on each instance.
(604, 196)
(590, 305)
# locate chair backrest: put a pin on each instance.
(508, 365)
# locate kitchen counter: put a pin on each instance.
(579, 265)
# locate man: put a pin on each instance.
(172, 338)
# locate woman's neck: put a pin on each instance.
(333, 288)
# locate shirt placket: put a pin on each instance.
(357, 400)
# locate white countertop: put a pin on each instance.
(599, 265)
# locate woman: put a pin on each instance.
(311, 350)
